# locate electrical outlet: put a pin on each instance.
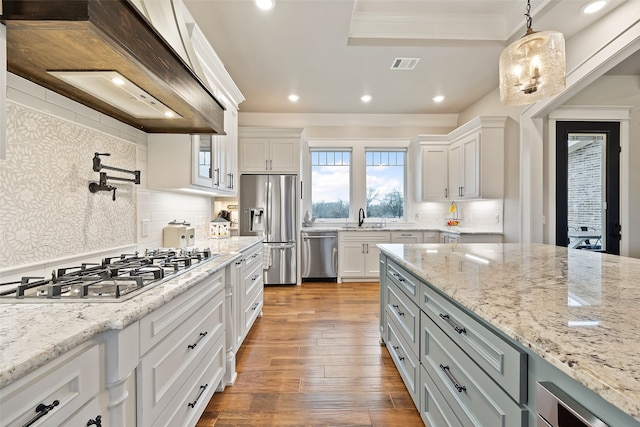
(145, 228)
(497, 218)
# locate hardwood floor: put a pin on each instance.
(314, 359)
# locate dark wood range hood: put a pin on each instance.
(107, 35)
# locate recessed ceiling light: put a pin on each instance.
(594, 6)
(293, 97)
(438, 98)
(365, 98)
(265, 4)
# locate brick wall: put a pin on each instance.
(585, 186)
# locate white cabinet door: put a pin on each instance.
(254, 154)
(230, 151)
(372, 260)
(351, 259)
(455, 158)
(435, 170)
(284, 155)
(471, 167)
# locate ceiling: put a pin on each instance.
(331, 52)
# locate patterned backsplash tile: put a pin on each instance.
(47, 210)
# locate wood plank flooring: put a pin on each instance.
(314, 359)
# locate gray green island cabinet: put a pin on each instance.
(495, 334)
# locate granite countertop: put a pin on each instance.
(32, 334)
(405, 227)
(576, 309)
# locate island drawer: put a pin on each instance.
(506, 364)
(406, 361)
(160, 323)
(404, 280)
(465, 386)
(434, 409)
(406, 315)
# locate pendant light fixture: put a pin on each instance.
(533, 67)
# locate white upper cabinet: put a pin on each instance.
(464, 166)
(468, 163)
(269, 150)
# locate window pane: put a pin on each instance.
(330, 182)
(385, 184)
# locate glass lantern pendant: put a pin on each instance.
(533, 67)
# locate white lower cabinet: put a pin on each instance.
(178, 342)
(359, 258)
(244, 301)
(458, 371)
(58, 391)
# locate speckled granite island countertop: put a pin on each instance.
(576, 309)
(32, 334)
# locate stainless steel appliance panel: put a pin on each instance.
(279, 264)
(281, 208)
(268, 206)
(319, 255)
(555, 408)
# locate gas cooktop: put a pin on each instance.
(113, 279)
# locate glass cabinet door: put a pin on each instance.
(205, 157)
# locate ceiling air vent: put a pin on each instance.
(404, 63)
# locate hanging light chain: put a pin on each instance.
(528, 17)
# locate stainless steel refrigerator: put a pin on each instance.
(268, 208)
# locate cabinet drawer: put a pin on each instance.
(252, 279)
(160, 323)
(90, 411)
(504, 363)
(434, 409)
(251, 310)
(466, 387)
(405, 360)
(73, 379)
(163, 371)
(404, 280)
(192, 398)
(406, 314)
(252, 258)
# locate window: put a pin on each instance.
(385, 183)
(330, 183)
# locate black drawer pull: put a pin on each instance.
(202, 335)
(447, 372)
(41, 411)
(397, 350)
(256, 305)
(97, 422)
(457, 328)
(256, 277)
(397, 307)
(202, 389)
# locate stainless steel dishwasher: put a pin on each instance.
(320, 256)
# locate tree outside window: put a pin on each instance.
(385, 183)
(330, 183)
